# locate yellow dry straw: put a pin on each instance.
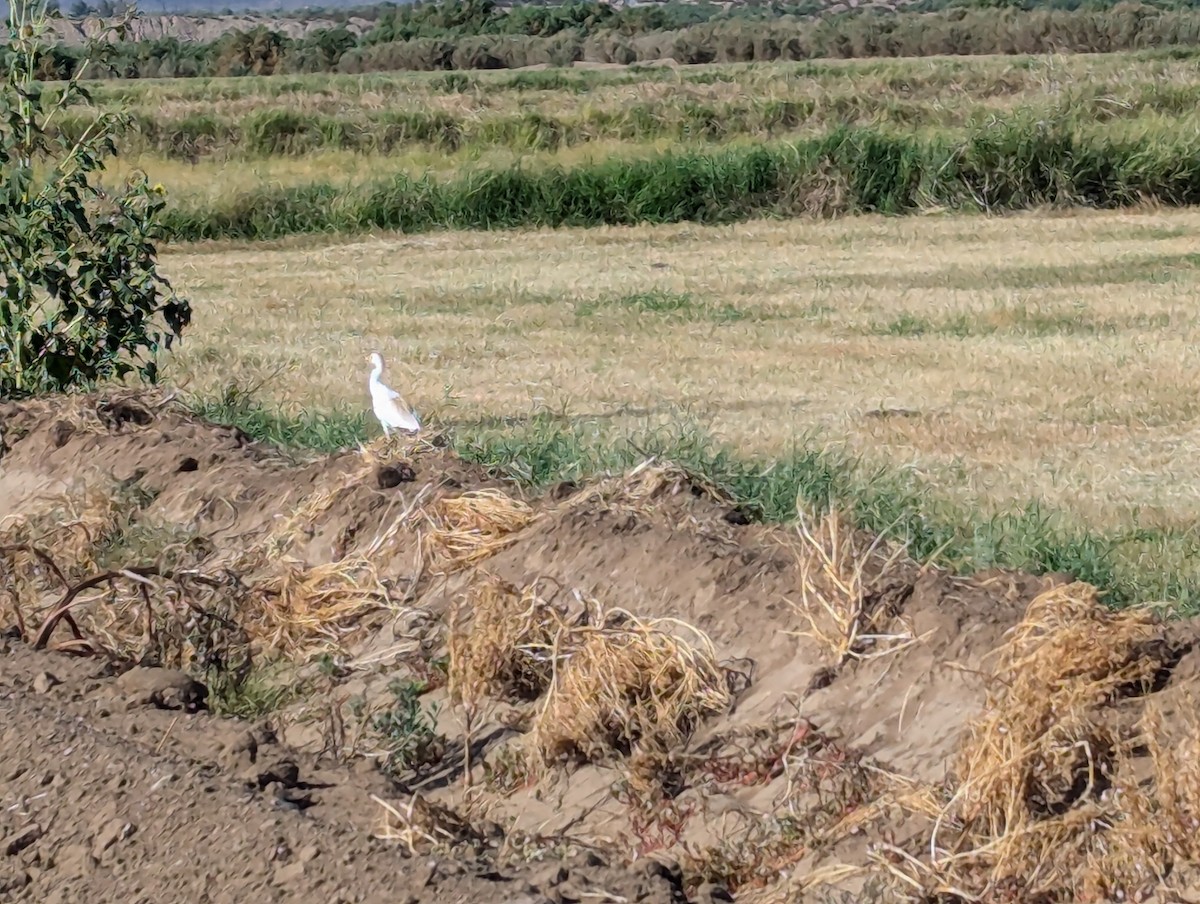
(1048, 805)
(838, 569)
(464, 530)
(625, 682)
(638, 488)
(505, 650)
(302, 609)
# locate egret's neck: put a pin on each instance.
(376, 373)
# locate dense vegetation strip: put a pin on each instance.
(248, 119)
(548, 449)
(1009, 166)
(477, 35)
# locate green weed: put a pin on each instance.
(407, 730)
(669, 305)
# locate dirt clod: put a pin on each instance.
(43, 681)
(709, 893)
(12, 878)
(389, 476)
(285, 773)
(113, 831)
(288, 873)
(60, 434)
(19, 841)
(163, 688)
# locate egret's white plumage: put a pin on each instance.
(391, 410)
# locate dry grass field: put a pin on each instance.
(212, 139)
(1003, 360)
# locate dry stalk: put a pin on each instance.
(422, 826)
(464, 530)
(838, 570)
(622, 681)
(639, 488)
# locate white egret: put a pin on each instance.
(391, 410)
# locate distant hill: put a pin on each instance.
(204, 28)
(218, 7)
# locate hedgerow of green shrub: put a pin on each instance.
(1019, 164)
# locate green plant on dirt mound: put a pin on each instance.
(82, 300)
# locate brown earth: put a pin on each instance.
(790, 715)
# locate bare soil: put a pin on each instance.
(118, 782)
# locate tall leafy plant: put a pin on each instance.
(82, 299)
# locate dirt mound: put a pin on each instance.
(388, 673)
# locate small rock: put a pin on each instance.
(61, 433)
(286, 799)
(424, 875)
(739, 515)
(563, 490)
(711, 893)
(164, 688)
(309, 853)
(285, 772)
(653, 869)
(388, 476)
(243, 748)
(43, 682)
(18, 841)
(287, 873)
(115, 830)
(557, 875)
(13, 879)
(75, 860)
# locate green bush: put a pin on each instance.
(81, 300)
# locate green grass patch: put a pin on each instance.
(262, 693)
(320, 431)
(682, 306)
(1158, 269)
(1019, 164)
(1019, 319)
(1132, 564)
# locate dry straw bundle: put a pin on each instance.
(1051, 802)
(464, 530)
(299, 610)
(622, 682)
(507, 649)
(640, 488)
(840, 573)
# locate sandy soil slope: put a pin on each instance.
(626, 678)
